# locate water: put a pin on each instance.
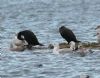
(44, 17)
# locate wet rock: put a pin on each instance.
(50, 46)
(84, 44)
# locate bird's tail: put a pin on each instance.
(41, 44)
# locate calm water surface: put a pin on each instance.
(44, 17)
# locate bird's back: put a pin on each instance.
(67, 34)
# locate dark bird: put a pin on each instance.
(29, 37)
(68, 35)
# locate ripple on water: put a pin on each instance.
(44, 18)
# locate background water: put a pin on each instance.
(44, 17)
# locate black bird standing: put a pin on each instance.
(29, 37)
(68, 35)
